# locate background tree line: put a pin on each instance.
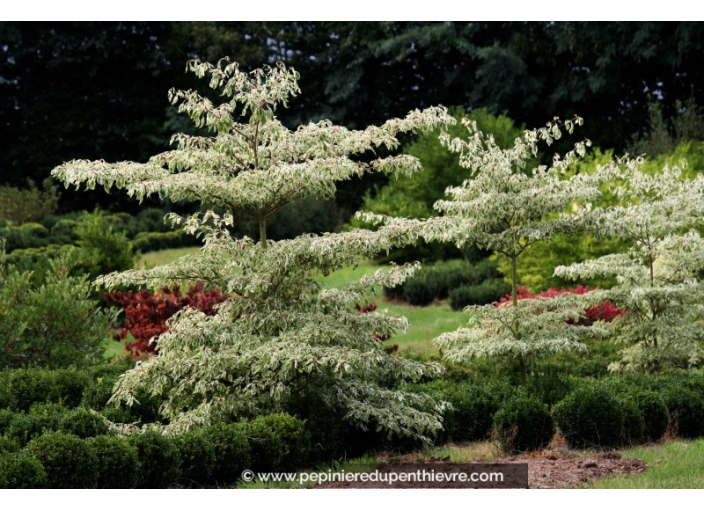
(96, 90)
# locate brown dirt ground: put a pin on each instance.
(546, 470)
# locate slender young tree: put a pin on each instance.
(659, 278)
(279, 338)
(506, 208)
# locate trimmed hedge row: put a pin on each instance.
(684, 397)
(61, 230)
(591, 416)
(607, 413)
(209, 456)
(42, 418)
(489, 291)
(69, 461)
(441, 280)
(617, 412)
(21, 470)
(482, 409)
(155, 241)
(473, 405)
(99, 243)
(90, 388)
(21, 388)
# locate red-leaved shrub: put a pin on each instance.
(146, 313)
(605, 311)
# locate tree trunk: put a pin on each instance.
(262, 232)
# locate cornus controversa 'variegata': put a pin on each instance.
(506, 208)
(279, 337)
(659, 278)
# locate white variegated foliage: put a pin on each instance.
(279, 337)
(659, 279)
(521, 330)
(506, 208)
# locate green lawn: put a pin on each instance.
(674, 465)
(159, 258)
(348, 275)
(426, 322)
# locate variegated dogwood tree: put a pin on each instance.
(505, 208)
(659, 280)
(279, 336)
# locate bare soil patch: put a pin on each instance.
(556, 472)
(546, 470)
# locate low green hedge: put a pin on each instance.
(89, 388)
(439, 280)
(278, 442)
(684, 398)
(21, 388)
(642, 407)
(633, 422)
(160, 460)
(232, 451)
(6, 417)
(473, 405)
(591, 416)
(487, 292)
(69, 461)
(523, 423)
(20, 470)
(156, 241)
(41, 418)
(84, 423)
(118, 464)
(197, 457)
(9, 445)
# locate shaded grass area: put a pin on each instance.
(116, 349)
(673, 465)
(478, 451)
(159, 258)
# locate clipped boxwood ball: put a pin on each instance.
(522, 424)
(159, 458)
(118, 462)
(69, 461)
(590, 416)
(19, 470)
